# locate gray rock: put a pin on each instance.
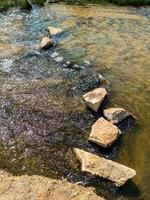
(104, 168)
(46, 43)
(115, 115)
(95, 98)
(104, 133)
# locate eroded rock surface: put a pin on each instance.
(104, 133)
(95, 98)
(104, 168)
(116, 115)
(42, 188)
(46, 43)
(54, 31)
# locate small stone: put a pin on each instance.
(104, 168)
(101, 78)
(115, 115)
(95, 98)
(55, 54)
(87, 62)
(104, 133)
(54, 31)
(58, 59)
(46, 43)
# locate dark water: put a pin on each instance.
(42, 113)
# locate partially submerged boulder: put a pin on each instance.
(46, 43)
(54, 31)
(95, 98)
(115, 115)
(104, 133)
(104, 168)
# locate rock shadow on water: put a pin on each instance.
(129, 123)
(129, 190)
(111, 152)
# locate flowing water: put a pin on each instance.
(42, 113)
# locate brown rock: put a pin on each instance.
(42, 188)
(54, 31)
(104, 168)
(116, 115)
(104, 133)
(95, 98)
(46, 43)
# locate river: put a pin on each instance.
(42, 113)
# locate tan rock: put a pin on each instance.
(46, 43)
(104, 168)
(104, 133)
(95, 98)
(115, 115)
(42, 188)
(54, 31)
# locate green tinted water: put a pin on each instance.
(42, 114)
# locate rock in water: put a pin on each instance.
(46, 43)
(58, 59)
(104, 168)
(95, 98)
(54, 31)
(115, 115)
(104, 133)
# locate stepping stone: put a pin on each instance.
(115, 115)
(104, 168)
(104, 133)
(54, 31)
(95, 98)
(46, 43)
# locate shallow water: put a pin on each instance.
(42, 113)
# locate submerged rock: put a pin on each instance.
(104, 133)
(42, 188)
(115, 115)
(46, 43)
(54, 31)
(95, 98)
(58, 59)
(104, 168)
(55, 54)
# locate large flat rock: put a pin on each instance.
(42, 188)
(116, 115)
(104, 168)
(95, 98)
(104, 133)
